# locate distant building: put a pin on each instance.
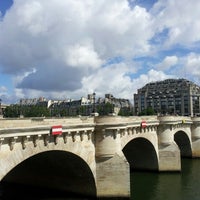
(87, 106)
(119, 105)
(83, 106)
(70, 107)
(171, 96)
(2, 108)
(35, 101)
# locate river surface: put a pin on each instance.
(184, 185)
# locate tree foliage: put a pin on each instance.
(105, 109)
(125, 112)
(26, 111)
(36, 111)
(148, 111)
(12, 111)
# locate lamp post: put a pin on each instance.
(94, 106)
(94, 113)
(0, 108)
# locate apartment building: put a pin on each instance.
(171, 96)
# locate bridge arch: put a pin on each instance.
(183, 141)
(55, 172)
(141, 154)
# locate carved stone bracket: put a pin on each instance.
(115, 132)
(65, 137)
(1, 141)
(82, 134)
(75, 136)
(89, 133)
(133, 130)
(124, 132)
(130, 131)
(24, 139)
(104, 134)
(46, 139)
(55, 138)
(138, 130)
(11, 142)
(118, 133)
(35, 139)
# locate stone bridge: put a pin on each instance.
(93, 156)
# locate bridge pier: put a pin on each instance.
(196, 137)
(112, 168)
(113, 177)
(169, 157)
(169, 153)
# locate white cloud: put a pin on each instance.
(119, 30)
(3, 89)
(82, 56)
(115, 79)
(185, 66)
(110, 79)
(68, 43)
(191, 64)
(151, 76)
(167, 63)
(65, 41)
(180, 18)
(3, 93)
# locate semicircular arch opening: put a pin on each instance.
(183, 142)
(50, 174)
(141, 155)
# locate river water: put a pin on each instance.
(184, 185)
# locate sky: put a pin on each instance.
(66, 49)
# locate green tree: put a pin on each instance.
(36, 111)
(12, 111)
(125, 112)
(83, 110)
(148, 111)
(105, 109)
(27, 111)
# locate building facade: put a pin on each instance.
(119, 106)
(171, 96)
(85, 106)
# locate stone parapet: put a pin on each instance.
(174, 120)
(39, 129)
(41, 121)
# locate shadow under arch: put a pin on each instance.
(141, 155)
(183, 142)
(49, 175)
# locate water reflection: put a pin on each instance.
(182, 185)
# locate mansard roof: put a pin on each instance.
(168, 84)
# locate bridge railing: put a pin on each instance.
(35, 129)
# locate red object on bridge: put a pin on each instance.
(56, 130)
(143, 124)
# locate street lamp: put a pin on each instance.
(0, 108)
(94, 106)
(94, 113)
